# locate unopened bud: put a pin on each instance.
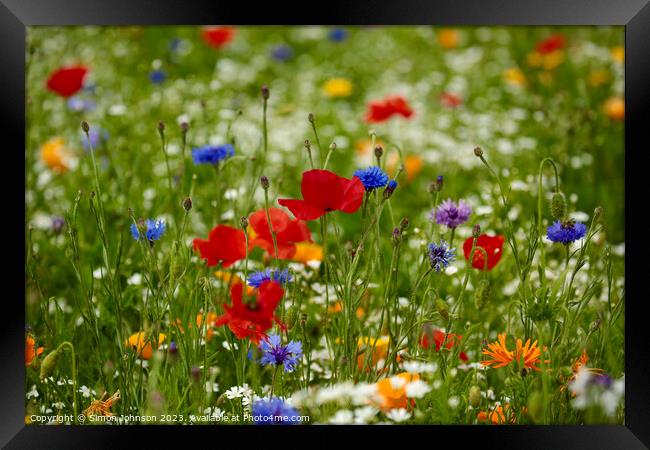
(392, 185)
(404, 224)
(558, 206)
(184, 127)
(474, 397)
(311, 117)
(397, 235)
(478, 151)
(265, 92)
(49, 363)
(243, 222)
(482, 294)
(333, 146)
(442, 309)
(379, 151)
(264, 181)
(187, 204)
(85, 127)
(598, 213)
(161, 129)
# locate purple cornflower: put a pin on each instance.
(280, 276)
(440, 255)
(77, 104)
(273, 352)
(274, 412)
(212, 154)
(451, 214)
(566, 232)
(57, 224)
(97, 136)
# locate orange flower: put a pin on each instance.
(515, 76)
(598, 77)
(306, 251)
(102, 407)
(497, 415)
(379, 348)
(580, 363)
(393, 393)
(141, 344)
(230, 280)
(55, 155)
(614, 108)
(501, 356)
(448, 38)
(618, 54)
(338, 307)
(30, 353)
(413, 165)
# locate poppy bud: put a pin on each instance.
(441, 307)
(404, 223)
(49, 363)
(264, 181)
(478, 151)
(474, 397)
(85, 127)
(311, 117)
(265, 92)
(476, 231)
(598, 212)
(307, 144)
(243, 222)
(558, 206)
(292, 317)
(333, 146)
(379, 151)
(482, 294)
(161, 129)
(184, 127)
(536, 406)
(187, 204)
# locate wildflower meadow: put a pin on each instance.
(324, 225)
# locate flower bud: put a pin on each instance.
(187, 204)
(476, 231)
(379, 151)
(303, 320)
(474, 397)
(598, 213)
(49, 363)
(478, 151)
(85, 127)
(558, 206)
(311, 117)
(536, 406)
(441, 307)
(243, 222)
(265, 92)
(264, 181)
(392, 185)
(161, 129)
(397, 235)
(404, 224)
(333, 146)
(482, 294)
(184, 127)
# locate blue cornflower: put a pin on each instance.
(392, 184)
(338, 34)
(154, 230)
(212, 154)
(372, 177)
(281, 276)
(157, 76)
(566, 232)
(282, 53)
(274, 412)
(440, 255)
(273, 352)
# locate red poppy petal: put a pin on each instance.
(322, 189)
(353, 192)
(296, 231)
(258, 222)
(270, 294)
(67, 80)
(301, 209)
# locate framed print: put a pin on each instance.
(413, 216)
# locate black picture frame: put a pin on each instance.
(16, 15)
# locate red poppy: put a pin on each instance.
(225, 244)
(67, 81)
(493, 246)
(438, 337)
(325, 191)
(382, 110)
(551, 43)
(252, 319)
(218, 37)
(450, 100)
(287, 232)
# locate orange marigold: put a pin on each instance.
(500, 355)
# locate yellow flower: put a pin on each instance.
(233, 279)
(614, 108)
(448, 38)
(598, 77)
(618, 54)
(338, 87)
(142, 344)
(553, 59)
(535, 59)
(515, 76)
(378, 347)
(306, 251)
(546, 78)
(55, 155)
